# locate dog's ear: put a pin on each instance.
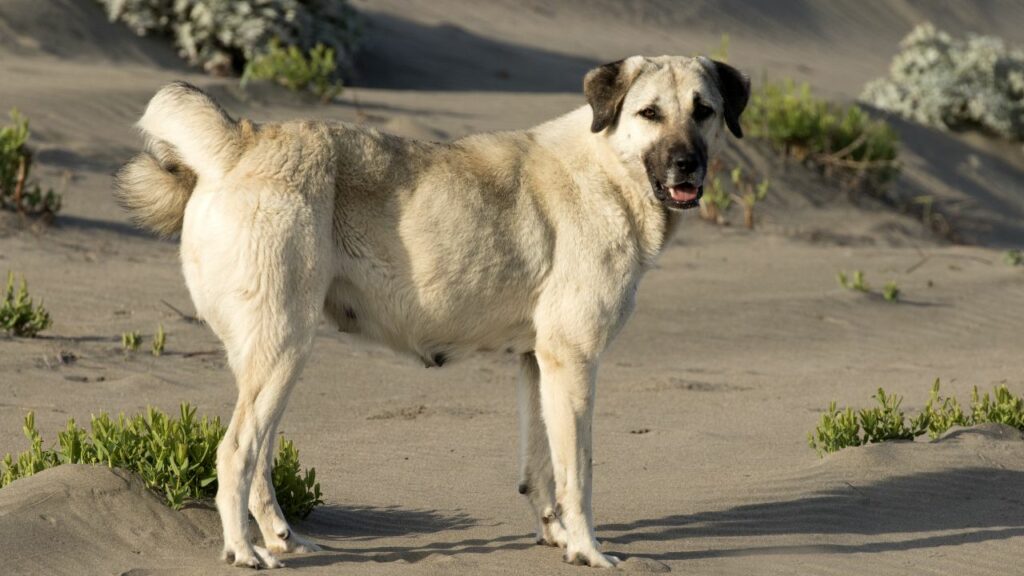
(605, 88)
(734, 86)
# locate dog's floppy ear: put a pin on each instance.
(734, 86)
(605, 87)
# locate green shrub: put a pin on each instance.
(175, 457)
(839, 429)
(836, 430)
(1013, 257)
(18, 191)
(297, 493)
(290, 68)
(18, 315)
(841, 139)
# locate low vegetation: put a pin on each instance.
(857, 283)
(716, 201)
(842, 141)
(1013, 257)
(298, 492)
(223, 37)
(973, 83)
(176, 457)
(159, 340)
(742, 190)
(291, 68)
(18, 315)
(130, 341)
(891, 291)
(839, 429)
(749, 194)
(19, 192)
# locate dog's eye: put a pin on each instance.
(702, 111)
(650, 113)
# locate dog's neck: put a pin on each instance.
(654, 222)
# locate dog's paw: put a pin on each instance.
(248, 556)
(290, 542)
(590, 556)
(552, 533)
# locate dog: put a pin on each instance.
(530, 241)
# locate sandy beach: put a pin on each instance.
(739, 342)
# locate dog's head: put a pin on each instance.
(664, 116)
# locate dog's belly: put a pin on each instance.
(436, 334)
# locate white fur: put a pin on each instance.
(532, 241)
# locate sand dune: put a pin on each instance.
(739, 341)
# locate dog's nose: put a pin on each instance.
(688, 163)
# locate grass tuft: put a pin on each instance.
(857, 283)
(159, 340)
(130, 341)
(891, 292)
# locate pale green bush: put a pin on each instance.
(951, 83)
(222, 35)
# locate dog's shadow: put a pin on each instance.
(915, 511)
(344, 531)
(923, 510)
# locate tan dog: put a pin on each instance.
(530, 241)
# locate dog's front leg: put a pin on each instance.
(567, 403)
(536, 480)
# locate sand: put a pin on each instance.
(739, 342)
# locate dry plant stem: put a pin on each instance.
(748, 208)
(860, 165)
(19, 186)
(186, 317)
(926, 257)
(844, 152)
(202, 353)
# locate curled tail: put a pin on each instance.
(188, 137)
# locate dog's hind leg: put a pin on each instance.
(266, 304)
(536, 480)
(567, 403)
(278, 536)
(266, 370)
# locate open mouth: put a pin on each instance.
(681, 196)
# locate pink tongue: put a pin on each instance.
(685, 193)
